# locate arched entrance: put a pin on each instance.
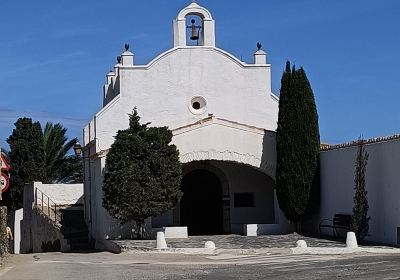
(201, 207)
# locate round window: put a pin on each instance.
(197, 105)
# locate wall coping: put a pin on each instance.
(375, 140)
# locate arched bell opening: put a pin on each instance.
(194, 30)
(203, 27)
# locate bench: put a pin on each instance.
(340, 221)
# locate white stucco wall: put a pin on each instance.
(216, 139)
(163, 89)
(18, 217)
(62, 194)
(245, 179)
(101, 225)
(382, 182)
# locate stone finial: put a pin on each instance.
(127, 57)
(260, 56)
(119, 58)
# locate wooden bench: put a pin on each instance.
(340, 221)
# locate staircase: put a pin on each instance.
(74, 228)
(67, 219)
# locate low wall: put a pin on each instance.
(382, 183)
(46, 236)
(38, 232)
(62, 194)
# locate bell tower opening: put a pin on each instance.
(194, 26)
(194, 30)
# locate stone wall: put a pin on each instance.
(3, 224)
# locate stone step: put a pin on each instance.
(231, 242)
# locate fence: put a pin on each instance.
(47, 206)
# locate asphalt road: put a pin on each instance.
(168, 266)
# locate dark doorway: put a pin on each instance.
(201, 205)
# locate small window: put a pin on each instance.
(244, 200)
(196, 105)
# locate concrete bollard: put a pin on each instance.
(209, 245)
(351, 240)
(301, 244)
(250, 230)
(161, 242)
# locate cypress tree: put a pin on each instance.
(359, 221)
(298, 146)
(142, 175)
(26, 160)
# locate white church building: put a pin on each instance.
(223, 115)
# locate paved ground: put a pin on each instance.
(168, 266)
(235, 242)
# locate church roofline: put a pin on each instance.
(219, 121)
(172, 50)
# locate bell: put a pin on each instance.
(195, 34)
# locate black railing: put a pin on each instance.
(47, 206)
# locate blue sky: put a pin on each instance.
(54, 55)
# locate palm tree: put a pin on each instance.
(60, 167)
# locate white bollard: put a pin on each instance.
(209, 245)
(351, 240)
(250, 230)
(301, 244)
(161, 242)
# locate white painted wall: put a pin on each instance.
(62, 194)
(243, 179)
(382, 182)
(217, 139)
(101, 225)
(162, 91)
(18, 217)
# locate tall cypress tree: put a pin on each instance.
(143, 174)
(359, 221)
(26, 160)
(298, 146)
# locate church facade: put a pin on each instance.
(223, 115)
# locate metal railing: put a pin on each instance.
(47, 206)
